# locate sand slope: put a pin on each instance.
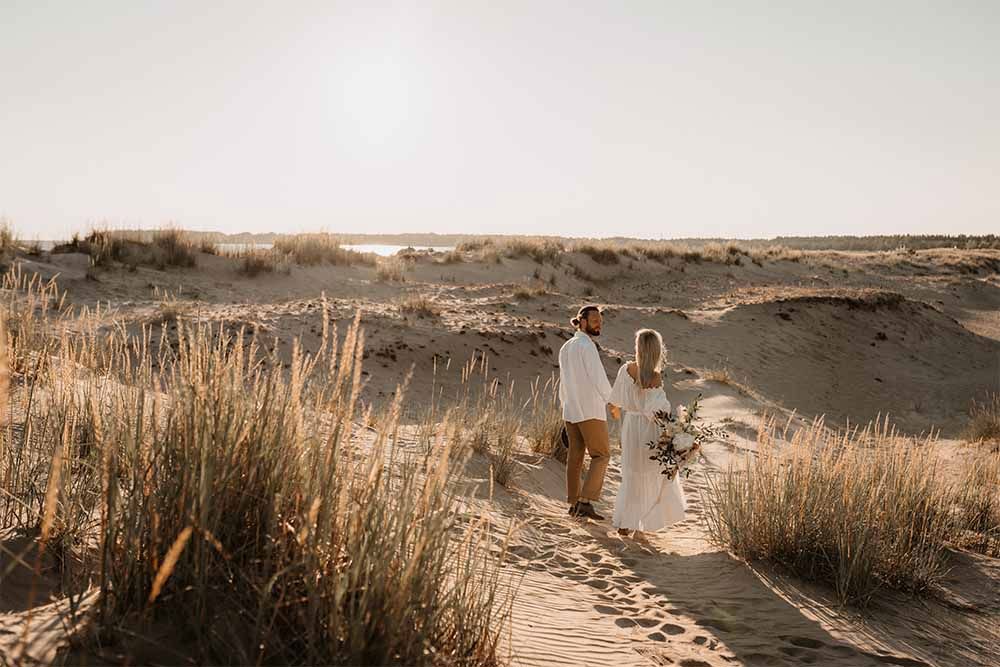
(590, 597)
(849, 336)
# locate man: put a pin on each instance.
(584, 391)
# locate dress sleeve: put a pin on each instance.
(656, 401)
(618, 390)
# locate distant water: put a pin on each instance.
(390, 250)
(381, 250)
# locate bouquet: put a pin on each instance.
(680, 439)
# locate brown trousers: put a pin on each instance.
(590, 436)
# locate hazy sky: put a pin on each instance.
(649, 119)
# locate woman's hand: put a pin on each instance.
(616, 413)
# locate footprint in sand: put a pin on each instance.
(897, 660)
(672, 629)
(801, 654)
(522, 551)
(803, 642)
(764, 659)
(724, 625)
(606, 610)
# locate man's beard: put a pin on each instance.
(591, 332)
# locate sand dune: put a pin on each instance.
(848, 336)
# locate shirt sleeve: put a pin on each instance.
(595, 371)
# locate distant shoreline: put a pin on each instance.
(431, 239)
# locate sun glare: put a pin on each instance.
(375, 101)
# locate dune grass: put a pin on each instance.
(860, 511)
(255, 261)
(977, 498)
(391, 270)
(601, 253)
(609, 253)
(544, 423)
(420, 305)
(486, 417)
(528, 292)
(984, 420)
(320, 248)
(160, 249)
(195, 481)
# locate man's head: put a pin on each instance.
(588, 320)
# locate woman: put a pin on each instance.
(646, 500)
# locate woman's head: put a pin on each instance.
(648, 354)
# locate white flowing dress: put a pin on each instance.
(646, 500)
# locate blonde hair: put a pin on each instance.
(648, 354)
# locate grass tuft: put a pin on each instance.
(420, 305)
(320, 248)
(859, 511)
(391, 270)
(197, 481)
(984, 420)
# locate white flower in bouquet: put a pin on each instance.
(680, 439)
(683, 442)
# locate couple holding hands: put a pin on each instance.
(647, 500)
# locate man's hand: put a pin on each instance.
(615, 412)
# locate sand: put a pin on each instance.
(845, 335)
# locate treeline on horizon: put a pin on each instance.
(887, 242)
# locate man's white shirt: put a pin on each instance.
(583, 385)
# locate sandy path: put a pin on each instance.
(589, 597)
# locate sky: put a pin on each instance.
(644, 119)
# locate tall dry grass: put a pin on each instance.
(860, 510)
(8, 240)
(487, 418)
(159, 249)
(254, 261)
(544, 421)
(420, 305)
(500, 420)
(320, 248)
(984, 419)
(194, 481)
(601, 253)
(391, 270)
(977, 498)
